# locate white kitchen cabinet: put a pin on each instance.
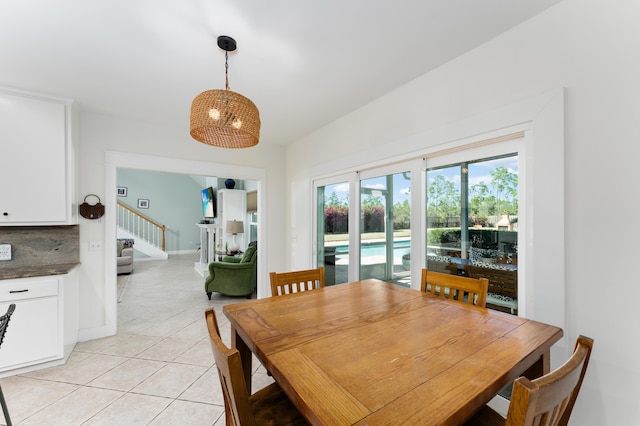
(232, 205)
(33, 334)
(36, 161)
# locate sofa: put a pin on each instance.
(124, 255)
(233, 276)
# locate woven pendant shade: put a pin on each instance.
(225, 118)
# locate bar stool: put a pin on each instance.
(4, 321)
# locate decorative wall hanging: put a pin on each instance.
(91, 211)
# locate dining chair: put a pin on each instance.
(546, 401)
(4, 322)
(268, 406)
(293, 282)
(454, 287)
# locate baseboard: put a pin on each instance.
(94, 333)
(183, 251)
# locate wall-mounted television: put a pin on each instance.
(209, 207)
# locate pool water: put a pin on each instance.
(377, 249)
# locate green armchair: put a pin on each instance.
(234, 276)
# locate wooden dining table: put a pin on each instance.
(374, 353)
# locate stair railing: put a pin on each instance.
(141, 226)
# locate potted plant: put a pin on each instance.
(406, 261)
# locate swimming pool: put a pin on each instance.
(378, 248)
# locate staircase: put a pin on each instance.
(149, 236)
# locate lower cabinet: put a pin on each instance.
(35, 332)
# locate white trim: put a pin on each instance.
(114, 160)
(542, 119)
(478, 150)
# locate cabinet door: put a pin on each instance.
(33, 161)
(32, 334)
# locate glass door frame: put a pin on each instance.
(318, 249)
(470, 153)
(417, 169)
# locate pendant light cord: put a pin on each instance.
(226, 68)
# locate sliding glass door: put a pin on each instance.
(385, 228)
(472, 210)
(390, 221)
(332, 220)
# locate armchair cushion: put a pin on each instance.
(232, 277)
(248, 255)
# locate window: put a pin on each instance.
(253, 226)
(473, 188)
(473, 204)
(472, 224)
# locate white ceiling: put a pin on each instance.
(304, 63)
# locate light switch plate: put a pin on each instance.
(5, 251)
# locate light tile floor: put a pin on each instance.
(157, 370)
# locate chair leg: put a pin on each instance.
(5, 410)
(209, 294)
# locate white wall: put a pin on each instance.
(97, 134)
(589, 47)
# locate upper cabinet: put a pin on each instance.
(36, 164)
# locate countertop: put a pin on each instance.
(36, 271)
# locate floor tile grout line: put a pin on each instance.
(184, 314)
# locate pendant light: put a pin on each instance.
(225, 118)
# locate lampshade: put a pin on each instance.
(235, 227)
(225, 118)
(222, 117)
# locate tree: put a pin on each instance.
(335, 201)
(373, 212)
(478, 195)
(506, 190)
(402, 215)
(443, 199)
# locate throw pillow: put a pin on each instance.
(248, 255)
(479, 254)
(438, 258)
(120, 246)
(491, 265)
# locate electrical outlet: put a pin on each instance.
(95, 245)
(5, 251)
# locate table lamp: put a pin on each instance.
(234, 227)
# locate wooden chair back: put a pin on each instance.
(549, 400)
(267, 406)
(232, 379)
(501, 282)
(293, 282)
(454, 287)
